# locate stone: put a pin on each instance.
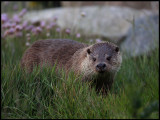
(142, 37)
(109, 22)
(133, 4)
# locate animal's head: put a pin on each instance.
(102, 58)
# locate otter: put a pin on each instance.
(98, 62)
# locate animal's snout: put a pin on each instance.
(101, 67)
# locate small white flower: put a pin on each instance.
(27, 44)
(48, 34)
(83, 14)
(90, 40)
(28, 34)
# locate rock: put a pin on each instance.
(133, 4)
(109, 22)
(142, 37)
(155, 7)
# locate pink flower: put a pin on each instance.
(22, 12)
(16, 19)
(6, 25)
(36, 30)
(25, 23)
(9, 32)
(98, 40)
(39, 29)
(33, 30)
(51, 25)
(78, 35)
(4, 17)
(58, 29)
(18, 28)
(42, 24)
(68, 31)
(29, 27)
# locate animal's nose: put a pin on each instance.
(101, 67)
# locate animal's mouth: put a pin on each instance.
(101, 71)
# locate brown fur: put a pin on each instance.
(72, 55)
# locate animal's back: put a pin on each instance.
(50, 51)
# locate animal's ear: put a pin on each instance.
(88, 51)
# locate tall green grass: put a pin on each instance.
(45, 94)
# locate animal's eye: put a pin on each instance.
(108, 58)
(88, 51)
(94, 59)
(117, 49)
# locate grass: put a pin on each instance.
(49, 95)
